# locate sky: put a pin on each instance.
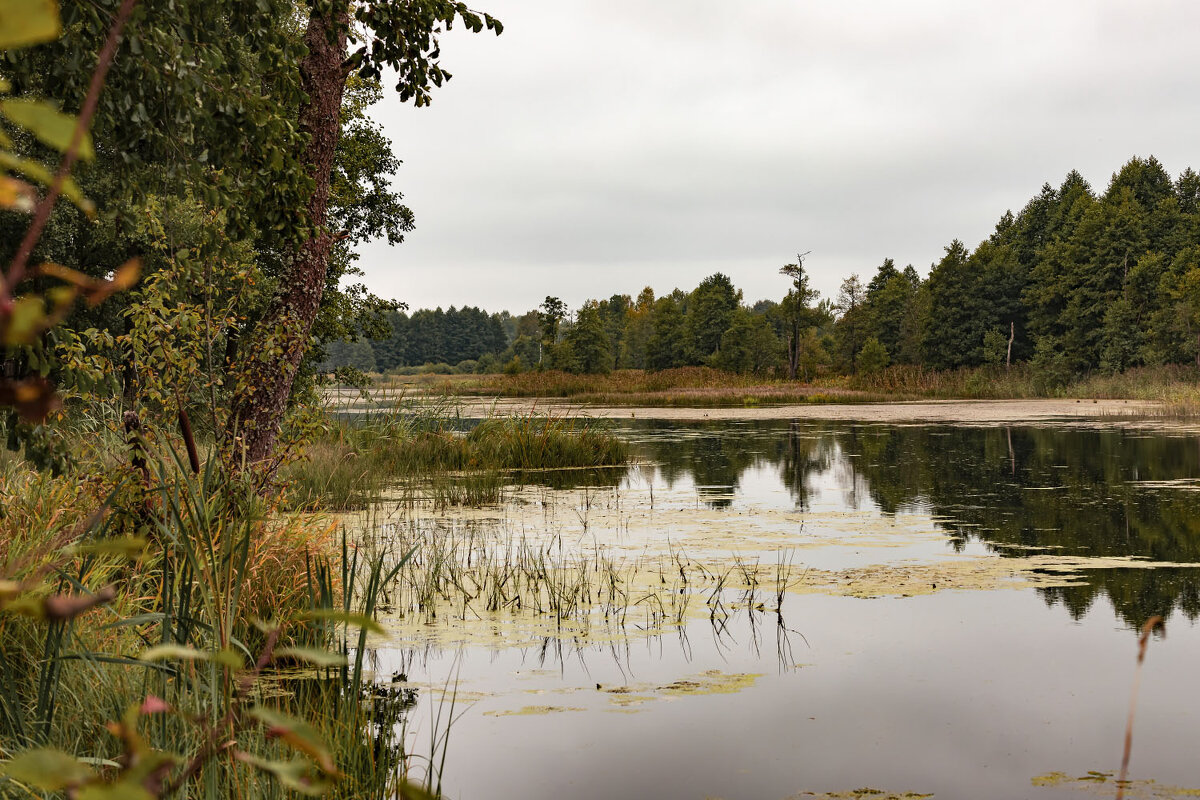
(600, 146)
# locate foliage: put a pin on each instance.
(873, 357)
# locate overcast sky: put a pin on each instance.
(600, 146)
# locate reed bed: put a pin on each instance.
(1176, 387)
(459, 461)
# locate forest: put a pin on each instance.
(1075, 282)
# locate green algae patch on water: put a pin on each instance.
(978, 573)
(1102, 784)
(531, 711)
(712, 681)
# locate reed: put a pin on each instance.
(456, 461)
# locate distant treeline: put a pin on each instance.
(1075, 282)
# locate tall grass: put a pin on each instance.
(358, 456)
(230, 661)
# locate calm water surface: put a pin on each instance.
(961, 694)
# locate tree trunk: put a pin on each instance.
(282, 337)
(1012, 334)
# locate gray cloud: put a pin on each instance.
(597, 147)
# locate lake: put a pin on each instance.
(787, 609)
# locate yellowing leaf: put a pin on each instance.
(16, 195)
(51, 126)
(125, 277)
(26, 22)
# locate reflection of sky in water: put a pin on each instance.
(965, 694)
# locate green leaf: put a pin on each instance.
(228, 657)
(46, 769)
(122, 790)
(334, 615)
(25, 321)
(298, 734)
(295, 775)
(35, 171)
(51, 126)
(125, 546)
(321, 658)
(26, 22)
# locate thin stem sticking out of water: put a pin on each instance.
(1143, 640)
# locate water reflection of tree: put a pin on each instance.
(713, 455)
(805, 452)
(1073, 492)
(1069, 491)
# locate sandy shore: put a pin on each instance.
(963, 411)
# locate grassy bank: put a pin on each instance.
(358, 456)
(219, 642)
(1177, 387)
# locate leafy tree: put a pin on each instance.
(749, 344)
(873, 357)
(401, 36)
(664, 349)
(614, 313)
(589, 342)
(638, 330)
(710, 311)
(550, 316)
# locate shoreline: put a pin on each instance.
(919, 411)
